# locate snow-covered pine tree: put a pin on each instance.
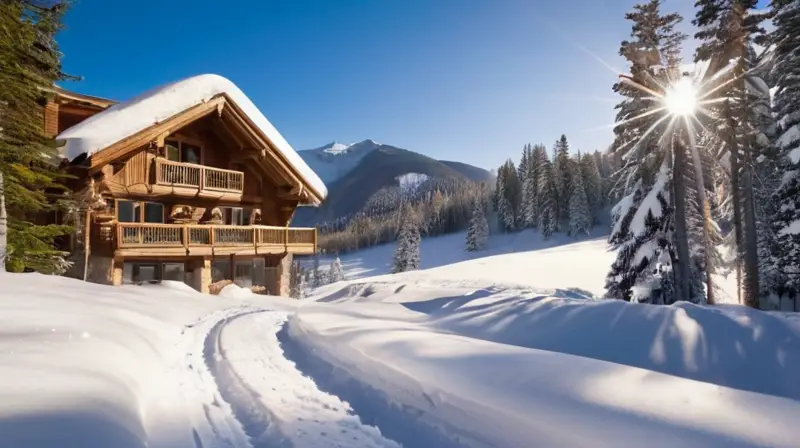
(335, 273)
(593, 185)
(547, 199)
(643, 235)
(786, 219)
(508, 195)
(580, 217)
(316, 280)
(478, 232)
(643, 218)
(406, 255)
(527, 176)
(563, 180)
(727, 28)
(538, 160)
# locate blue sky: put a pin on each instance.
(466, 80)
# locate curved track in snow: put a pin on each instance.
(253, 396)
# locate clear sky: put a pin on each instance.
(466, 80)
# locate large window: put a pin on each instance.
(237, 216)
(138, 211)
(152, 271)
(180, 151)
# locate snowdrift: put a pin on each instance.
(427, 388)
(89, 365)
(726, 345)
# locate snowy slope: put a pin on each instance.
(335, 160)
(503, 348)
(160, 366)
(129, 117)
(456, 391)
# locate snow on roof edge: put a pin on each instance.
(158, 104)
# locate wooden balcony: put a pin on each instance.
(146, 239)
(199, 177)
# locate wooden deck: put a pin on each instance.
(156, 240)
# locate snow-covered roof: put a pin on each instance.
(152, 107)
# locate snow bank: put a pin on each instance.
(89, 365)
(127, 118)
(729, 346)
(456, 391)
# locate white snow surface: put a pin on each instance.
(127, 118)
(500, 348)
(791, 229)
(409, 182)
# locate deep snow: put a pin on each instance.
(501, 348)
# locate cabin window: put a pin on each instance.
(129, 211)
(152, 272)
(136, 211)
(243, 273)
(237, 216)
(153, 212)
(179, 151)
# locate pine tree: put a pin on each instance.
(406, 255)
(478, 232)
(335, 273)
(593, 184)
(786, 216)
(644, 219)
(563, 180)
(527, 176)
(547, 199)
(580, 218)
(316, 280)
(727, 30)
(643, 235)
(31, 63)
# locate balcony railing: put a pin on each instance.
(177, 174)
(146, 235)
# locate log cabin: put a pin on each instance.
(186, 182)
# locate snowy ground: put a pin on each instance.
(505, 349)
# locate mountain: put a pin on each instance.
(334, 160)
(354, 173)
(471, 172)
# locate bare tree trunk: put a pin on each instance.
(702, 203)
(751, 278)
(733, 148)
(681, 233)
(3, 226)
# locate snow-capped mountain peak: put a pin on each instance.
(335, 148)
(334, 160)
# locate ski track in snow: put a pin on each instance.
(252, 396)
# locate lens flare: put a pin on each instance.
(680, 97)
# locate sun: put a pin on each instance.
(680, 97)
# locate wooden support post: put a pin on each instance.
(87, 243)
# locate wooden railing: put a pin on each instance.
(202, 177)
(134, 235)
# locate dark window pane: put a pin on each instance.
(246, 213)
(128, 211)
(153, 212)
(173, 271)
(190, 154)
(172, 151)
(145, 272)
(243, 276)
(220, 270)
(259, 277)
